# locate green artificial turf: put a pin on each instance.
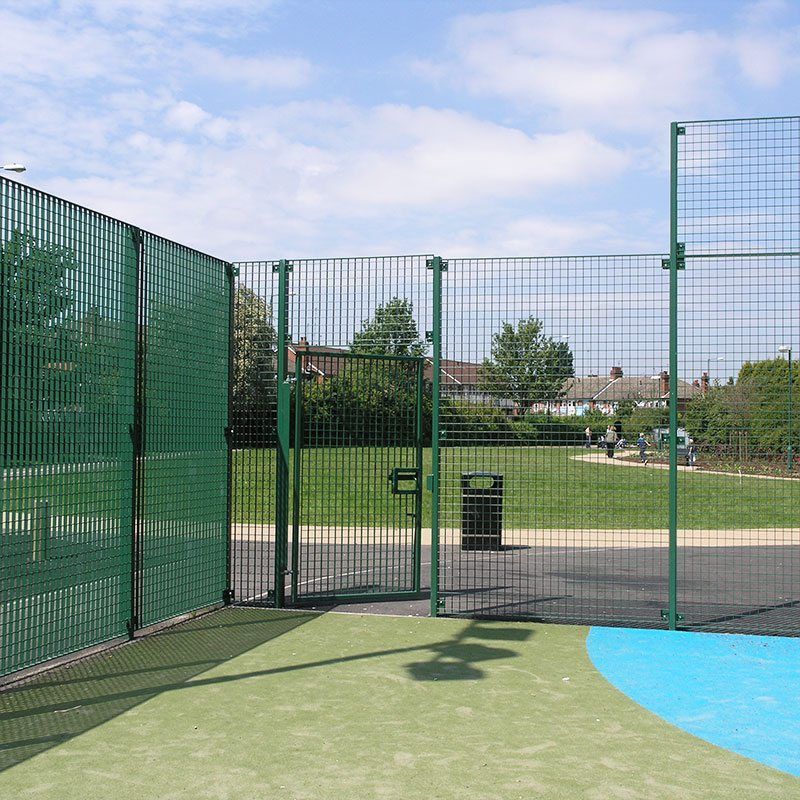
(247, 704)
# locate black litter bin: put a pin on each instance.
(481, 511)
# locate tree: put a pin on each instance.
(254, 370)
(372, 402)
(763, 405)
(392, 331)
(754, 409)
(525, 365)
(40, 347)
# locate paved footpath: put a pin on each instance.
(625, 461)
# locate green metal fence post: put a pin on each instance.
(137, 432)
(418, 435)
(675, 255)
(232, 272)
(789, 456)
(437, 265)
(297, 474)
(283, 268)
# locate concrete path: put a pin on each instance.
(626, 460)
(542, 537)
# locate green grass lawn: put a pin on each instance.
(544, 487)
(178, 487)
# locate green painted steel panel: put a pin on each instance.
(114, 360)
(68, 319)
(182, 536)
(364, 410)
(532, 522)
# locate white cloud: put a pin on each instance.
(413, 157)
(279, 72)
(548, 235)
(133, 130)
(67, 47)
(314, 177)
(49, 49)
(765, 59)
(155, 13)
(625, 69)
(552, 234)
(185, 116)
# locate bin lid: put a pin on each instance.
(468, 477)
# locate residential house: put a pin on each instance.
(604, 394)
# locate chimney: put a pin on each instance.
(704, 382)
(302, 345)
(616, 372)
(663, 382)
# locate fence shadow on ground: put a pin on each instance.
(68, 701)
(455, 659)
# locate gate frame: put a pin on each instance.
(297, 600)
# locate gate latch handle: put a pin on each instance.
(402, 475)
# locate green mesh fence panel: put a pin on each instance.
(254, 433)
(738, 222)
(544, 513)
(182, 533)
(114, 369)
(67, 327)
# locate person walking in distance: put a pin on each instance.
(611, 441)
(588, 433)
(642, 444)
(691, 453)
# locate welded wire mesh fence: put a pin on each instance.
(553, 369)
(360, 425)
(737, 233)
(114, 403)
(312, 519)
(68, 344)
(182, 476)
(610, 437)
(604, 439)
(357, 466)
(254, 426)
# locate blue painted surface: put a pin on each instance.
(737, 692)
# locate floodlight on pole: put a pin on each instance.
(787, 348)
(13, 167)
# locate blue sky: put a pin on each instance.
(258, 129)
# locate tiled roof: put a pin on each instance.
(318, 363)
(468, 374)
(584, 388)
(455, 373)
(625, 388)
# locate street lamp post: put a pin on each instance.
(788, 350)
(13, 168)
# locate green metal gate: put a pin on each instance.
(356, 475)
